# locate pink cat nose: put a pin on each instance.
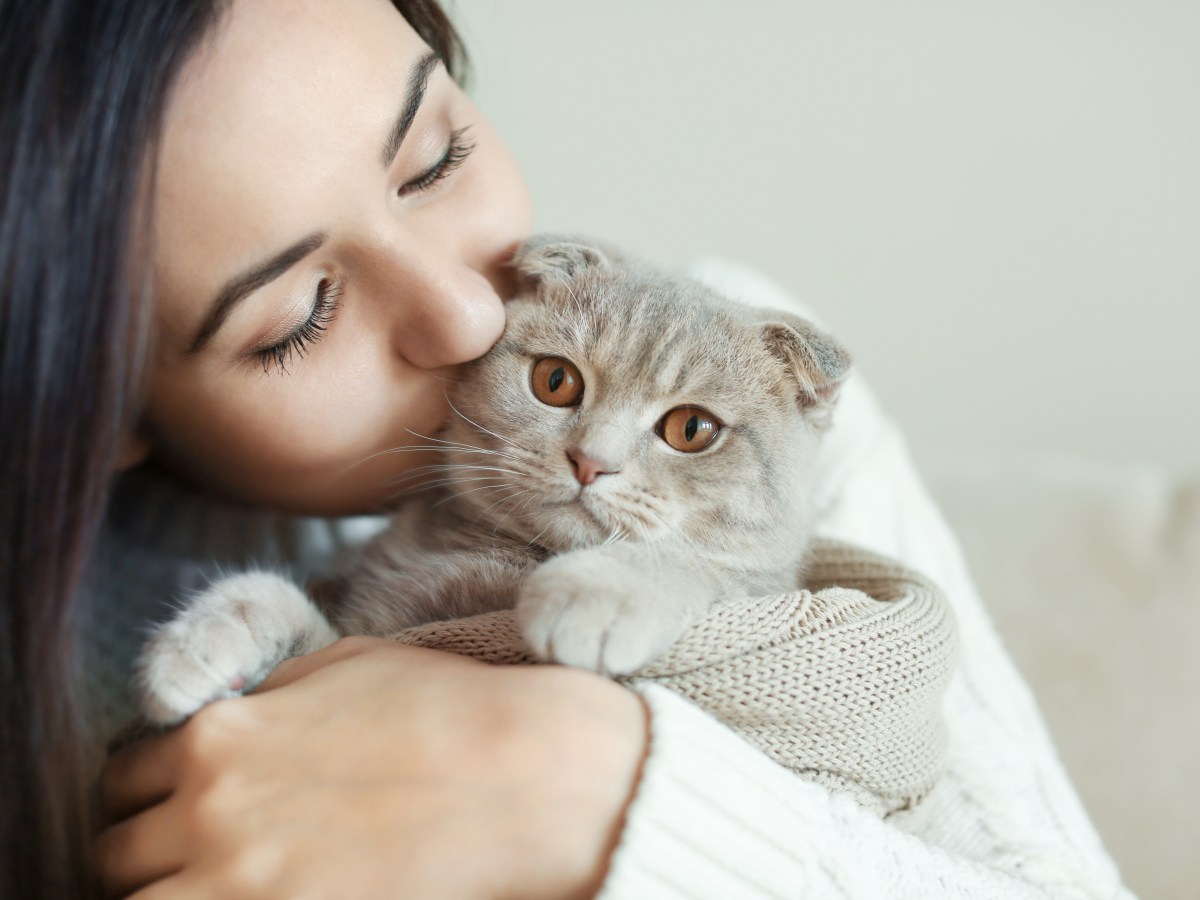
(587, 468)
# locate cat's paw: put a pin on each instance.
(583, 611)
(227, 640)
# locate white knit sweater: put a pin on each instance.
(713, 816)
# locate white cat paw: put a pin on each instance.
(586, 613)
(224, 643)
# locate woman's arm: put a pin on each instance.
(714, 818)
(371, 769)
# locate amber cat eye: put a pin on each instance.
(688, 428)
(556, 381)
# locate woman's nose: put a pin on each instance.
(445, 311)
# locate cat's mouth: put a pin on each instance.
(599, 513)
(584, 497)
(584, 504)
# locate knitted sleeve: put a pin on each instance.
(840, 681)
(714, 817)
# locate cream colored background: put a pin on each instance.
(997, 205)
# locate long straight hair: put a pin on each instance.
(83, 86)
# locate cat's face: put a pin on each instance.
(624, 403)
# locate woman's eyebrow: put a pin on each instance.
(418, 81)
(241, 286)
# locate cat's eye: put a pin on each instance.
(557, 382)
(688, 429)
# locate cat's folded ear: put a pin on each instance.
(818, 363)
(558, 257)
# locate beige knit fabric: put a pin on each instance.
(841, 681)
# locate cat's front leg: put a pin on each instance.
(611, 609)
(225, 641)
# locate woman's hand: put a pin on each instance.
(370, 770)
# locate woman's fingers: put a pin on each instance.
(140, 774)
(140, 850)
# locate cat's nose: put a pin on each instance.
(588, 468)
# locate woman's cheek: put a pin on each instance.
(314, 440)
(320, 436)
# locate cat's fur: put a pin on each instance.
(603, 575)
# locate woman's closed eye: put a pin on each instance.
(457, 151)
(305, 335)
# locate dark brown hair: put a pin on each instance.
(83, 85)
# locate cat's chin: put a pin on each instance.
(571, 524)
(593, 520)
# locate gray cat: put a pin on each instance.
(635, 449)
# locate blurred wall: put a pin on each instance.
(996, 205)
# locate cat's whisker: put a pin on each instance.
(520, 510)
(449, 448)
(438, 476)
(496, 512)
(578, 306)
(530, 494)
(412, 474)
(493, 488)
(427, 471)
(461, 478)
(502, 486)
(471, 421)
(411, 448)
(422, 448)
(460, 467)
(512, 498)
(454, 481)
(458, 444)
(367, 459)
(537, 537)
(617, 534)
(472, 491)
(503, 490)
(416, 489)
(417, 486)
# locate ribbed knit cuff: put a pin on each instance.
(712, 816)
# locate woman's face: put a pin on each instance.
(333, 219)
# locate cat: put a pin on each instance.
(634, 449)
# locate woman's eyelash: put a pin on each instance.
(456, 154)
(300, 341)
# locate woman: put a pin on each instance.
(245, 243)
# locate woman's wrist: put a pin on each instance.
(582, 740)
